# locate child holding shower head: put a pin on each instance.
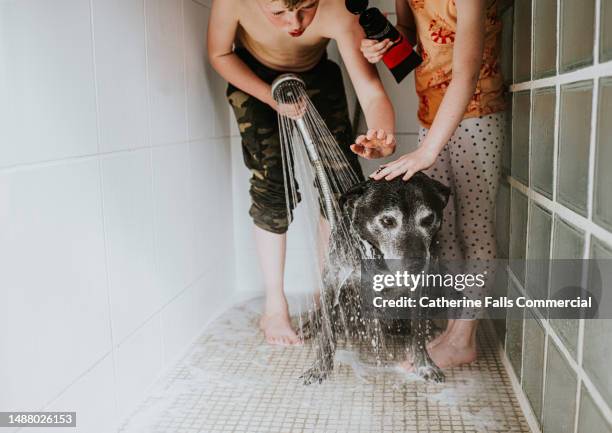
(250, 43)
(461, 111)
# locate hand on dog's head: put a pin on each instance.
(400, 218)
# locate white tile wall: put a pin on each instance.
(121, 72)
(116, 230)
(173, 221)
(166, 68)
(207, 195)
(134, 288)
(90, 396)
(53, 280)
(47, 83)
(139, 360)
(201, 117)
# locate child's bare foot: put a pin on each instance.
(277, 329)
(449, 353)
(442, 335)
(446, 354)
(455, 347)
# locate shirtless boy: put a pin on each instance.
(250, 43)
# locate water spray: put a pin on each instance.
(318, 165)
(284, 91)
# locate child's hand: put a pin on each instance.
(407, 165)
(375, 144)
(293, 111)
(373, 50)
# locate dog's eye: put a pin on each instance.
(388, 222)
(428, 220)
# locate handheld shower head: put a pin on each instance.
(291, 89)
(283, 87)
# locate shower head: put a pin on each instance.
(284, 85)
(291, 89)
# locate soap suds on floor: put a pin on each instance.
(231, 381)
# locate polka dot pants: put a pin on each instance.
(470, 164)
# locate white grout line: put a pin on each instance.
(586, 73)
(532, 43)
(187, 131)
(24, 166)
(581, 323)
(189, 146)
(556, 135)
(558, 39)
(557, 120)
(106, 242)
(597, 31)
(529, 207)
(544, 369)
(151, 170)
(592, 148)
(542, 319)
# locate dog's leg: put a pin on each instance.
(420, 335)
(422, 362)
(324, 363)
(311, 326)
(326, 344)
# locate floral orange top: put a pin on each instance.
(436, 22)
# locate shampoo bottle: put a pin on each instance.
(401, 58)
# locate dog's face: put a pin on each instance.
(399, 218)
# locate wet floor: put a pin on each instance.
(231, 381)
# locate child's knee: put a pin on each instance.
(270, 207)
(274, 220)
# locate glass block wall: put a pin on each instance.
(556, 201)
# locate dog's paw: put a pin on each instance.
(314, 375)
(431, 372)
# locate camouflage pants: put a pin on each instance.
(261, 146)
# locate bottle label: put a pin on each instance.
(398, 53)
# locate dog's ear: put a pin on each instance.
(440, 191)
(347, 200)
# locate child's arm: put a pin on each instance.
(222, 27)
(380, 118)
(467, 59)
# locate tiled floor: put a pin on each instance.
(230, 381)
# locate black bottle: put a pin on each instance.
(401, 58)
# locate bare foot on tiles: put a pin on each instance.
(277, 329)
(449, 353)
(442, 335)
(455, 347)
(446, 354)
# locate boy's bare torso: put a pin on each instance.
(276, 48)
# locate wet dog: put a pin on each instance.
(390, 223)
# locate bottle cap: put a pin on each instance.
(356, 6)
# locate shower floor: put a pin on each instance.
(231, 381)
